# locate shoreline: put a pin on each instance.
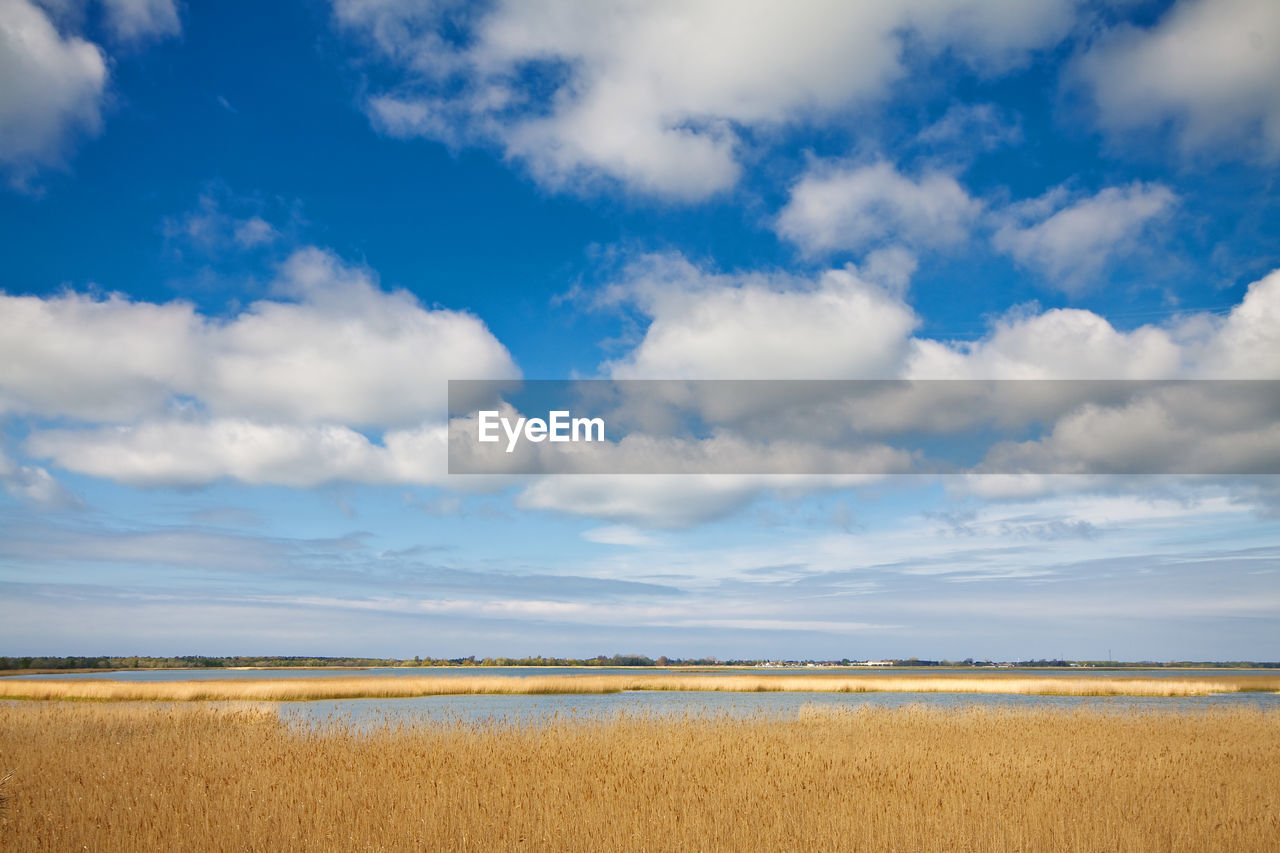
(975, 671)
(375, 687)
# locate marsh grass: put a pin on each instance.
(376, 687)
(153, 776)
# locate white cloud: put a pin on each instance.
(275, 393)
(345, 351)
(1209, 67)
(108, 359)
(1182, 428)
(1060, 343)
(705, 325)
(708, 325)
(139, 20)
(52, 91)
(1243, 345)
(342, 350)
(55, 81)
(835, 207)
(33, 484)
(748, 438)
(653, 95)
(176, 453)
(1071, 241)
(271, 395)
(196, 453)
(1075, 344)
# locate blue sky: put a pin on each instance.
(246, 246)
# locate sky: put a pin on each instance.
(246, 245)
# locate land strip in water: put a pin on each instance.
(375, 687)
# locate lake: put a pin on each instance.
(523, 709)
(526, 708)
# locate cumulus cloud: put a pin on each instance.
(140, 20)
(1181, 428)
(55, 81)
(850, 207)
(1061, 343)
(1196, 428)
(653, 96)
(704, 324)
(1243, 345)
(1074, 344)
(52, 92)
(96, 359)
(275, 394)
(345, 350)
(708, 325)
(1070, 240)
(196, 453)
(1207, 67)
(647, 448)
(332, 348)
(295, 389)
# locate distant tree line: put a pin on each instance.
(207, 662)
(617, 660)
(183, 662)
(598, 660)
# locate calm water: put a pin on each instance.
(522, 709)
(526, 671)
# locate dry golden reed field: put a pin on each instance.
(158, 776)
(379, 687)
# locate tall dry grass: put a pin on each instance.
(379, 687)
(120, 777)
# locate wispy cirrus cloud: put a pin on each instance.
(134, 21)
(221, 222)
